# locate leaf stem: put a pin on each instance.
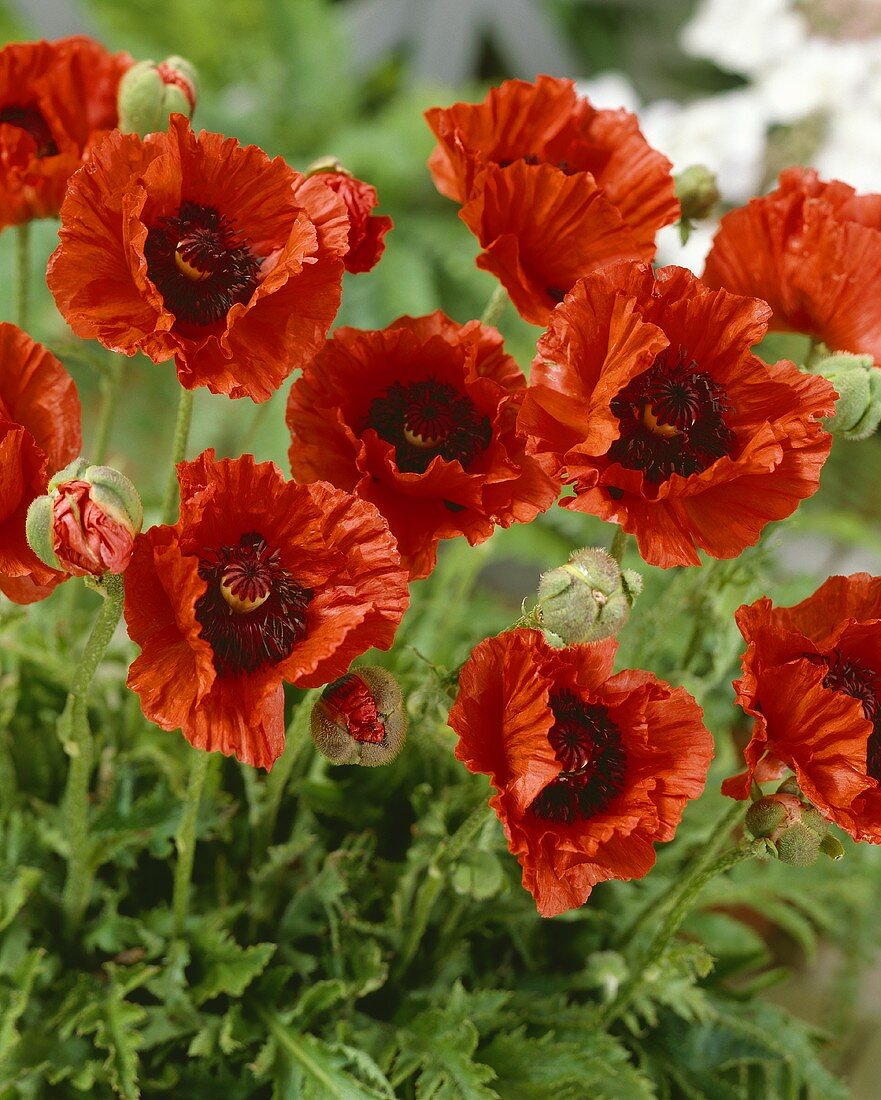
(23, 274)
(185, 840)
(178, 450)
(76, 737)
(686, 893)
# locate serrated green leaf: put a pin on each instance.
(224, 966)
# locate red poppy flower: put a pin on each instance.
(56, 98)
(419, 418)
(260, 580)
(812, 250)
(366, 230)
(551, 187)
(646, 398)
(39, 434)
(589, 769)
(200, 249)
(812, 683)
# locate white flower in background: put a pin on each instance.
(725, 132)
(745, 36)
(610, 90)
(822, 75)
(693, 253)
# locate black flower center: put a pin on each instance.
(252, 613)
(30, 118)
(859, 682)
(427, 419)
(201, 265)
(588, 744)
(672, 420)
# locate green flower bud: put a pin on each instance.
(697, 192)
(150, 93)
(858, 383)
(87, 522)
(794, 831)
(360, 719)
(588, 598)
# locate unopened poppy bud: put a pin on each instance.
(360, 719)
(588, 598)
(858, 383)
(796, 833)
(697, 192)
(86, 524)
(149, 94)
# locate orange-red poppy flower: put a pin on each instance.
(646, 398)
(812, 684)
(419, 418)
(812, 250)
(589, 769)
(366, 230)
(56, 100)
(260, 581)
(199, 249)
(39, 434)
(550, 186)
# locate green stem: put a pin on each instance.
(686, 894)
(111, 383)
(619, 544)
(23, 274)
(297, 739)
(185, 840)
(73, 729)
(707, 853)
(495, 307)
(445, 856)
(178, 450)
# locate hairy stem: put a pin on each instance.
(73, 729)
(619, 544)
(23, 274)
(185, 841)
(111, 383)
(178, 450)
(297, 739)
(686, 894)
(707, 853)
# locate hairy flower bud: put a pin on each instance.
(697, 192)
(86, 524)
(588, 598)
(360, 719)
(858, 382)
(149, 94)
(795, 832)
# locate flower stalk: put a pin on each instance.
(185, 842)
(178, 450)
(681, 902)
(76, 737)
(23, 274)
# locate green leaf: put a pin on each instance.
(225, 967)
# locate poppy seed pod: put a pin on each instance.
(87, 523)
(795, 832)
(360, 719)
(149, 94)
(588, 598)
